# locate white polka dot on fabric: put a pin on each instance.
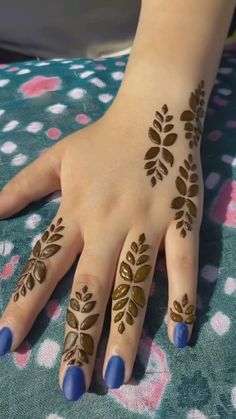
(66, 62)
(6, 248)
(220, 323)
(2, 111)
(57, 108)
(97, 82)
(76, 66)
(47, 353)
(233, 397)
(77, 93)
(57, 59)
(4, 82)
(19, 159)
(117, 75)
(209, 272)
(230, 286)
(23, 71)
(224, 92)
(54, 416)
(56, 197)
(105, 97)
(226, 158)
(225, 70)
(41, 64)
(35, 239)
(8, 147)
(196, 414)
(10, 126)
(33, 221)
(34, 127)
(86, 74)
(212, 180)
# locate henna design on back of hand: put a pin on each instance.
(162, 135)
(35, 269)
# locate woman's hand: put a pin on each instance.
(127, 183)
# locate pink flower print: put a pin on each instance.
(9, 269)
(40, 85)
(22, 355)
(224, 208)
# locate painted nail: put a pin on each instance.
(115, 372)
(181, 335)
(73, 383)
(5, 340)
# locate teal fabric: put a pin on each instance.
(40, 103)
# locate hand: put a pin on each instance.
(126, 185)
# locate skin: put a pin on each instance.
(107, 199)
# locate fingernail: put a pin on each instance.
(181, 335)
(115, 372)
(5, 340)
(73, 383)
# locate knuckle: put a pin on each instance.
(89, 282)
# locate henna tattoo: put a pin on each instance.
(194, 116)
(187, 209)
(161, 127)
(181, 310)
(35, 268)
(79, 353)
(129, 297)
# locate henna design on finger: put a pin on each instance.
(187, 187)
(128, 297)
(161, 134)
(78, 346)
(194, 116)
(183, 310)
(35, 269)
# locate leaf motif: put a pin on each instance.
(59, 221)
(69, 355)
(177, 307)
(142, 259)
(188, 135)
(188, 126)
(191, 319)
(179, 214)
(168, 118)
(121, 327)
(82, 356)
(54, 238)
(157, 125)
(70, 341)
(87, 297)
(143, 248)
(168, 128)
(84, 289)
(125, 271)
(72, 361)
(49, 251)
(167, 156)
(40, 271)
(184, 300)
(183, 233)
(190, 158)
(176, 317)
(192, 207)
(141, 238)
(138, 296)
(133, 308)
(193, 167)
(129, 319)
(37, 249)
(170, 139)
(153, 181)
(118, 316)
(193, 102)
(28, 266)
(52, 227)
(120, 291)
(16, 296)
(30, 282)
(189, 310)
(187, 165)
(151, 171)
(142, 273)
(120, 304)
(152, 153)
(60, 228)
(164, 109)
(163, 168)
(71, 319)
(178, 202)
(154, 136)
(193, 190)
(150, 164)
(86, 341)
(74, 304)
(78, 295)
(181, 186)
(159, 116)
(130, 257)
(159, 175)
(187, 116)
(193, 178)
(179, 224)
(88, 307)
(134, 247)
(45, 236)
(23, 290)
(200, 112)
(189, 218)
(89, 322)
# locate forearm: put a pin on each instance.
(177, 44)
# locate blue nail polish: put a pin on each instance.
(115, 372)
(73, 383)
(181, 335)
(5, 340)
